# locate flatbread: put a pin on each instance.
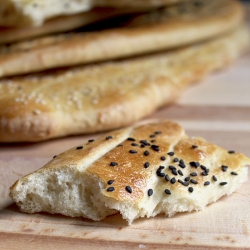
(34, 13)
(139, 171)
(62, 23)
(109, 95)
(162, 29)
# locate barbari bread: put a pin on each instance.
(108, 95)
(157, 30)
(34, 13)
(138, 171)
(61, 24)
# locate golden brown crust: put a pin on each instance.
(98, 97)
(130, 170)
(158, 30)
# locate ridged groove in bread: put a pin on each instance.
(118, 179)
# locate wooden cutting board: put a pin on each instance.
(218, 108)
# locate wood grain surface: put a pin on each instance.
(218, 109)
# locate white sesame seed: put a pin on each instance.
(36, 112)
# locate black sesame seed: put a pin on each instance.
(193, 181)
(113, 163)
(158, 132)
(203, 167)
(155, 147)
(187, 179)
(150, 192)
(174, 172)
(180, 172)
(91, 140)
(214, 178)
(180, 181)
(110, 182)
(231, 151)
(145, 142)
(204, 173)
(161, 167)
(153, 141)
(152, 136)
(146, 164)
(207, 170)
(142, 146)
(182, 165)
(193, 174)
(224, 168)
(194, 164)
(172, 167)
(132, 151)
(159, 173)
(190, 189)
(167, 191)
(234, 173)
(110, 189)
(173, 180)
(194, 146)
(109, 137)
(175, 160)
(181, 161)
(79, 147)
(167, 177)
(223, 183)
(146, 153)
(131, 139)
(198, 3)
(185, 183)
(163, 158)
(206, 183)
(54, 156)
(128, 189)
(134, 144)
(171, 153)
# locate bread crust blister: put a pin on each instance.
(138, 171)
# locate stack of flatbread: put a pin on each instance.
(73, 67)
(81, 66)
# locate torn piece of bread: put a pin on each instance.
(158, 30)
(138, 171)
(109, 95)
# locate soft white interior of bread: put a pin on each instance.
(74, 193)
(67, 191)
